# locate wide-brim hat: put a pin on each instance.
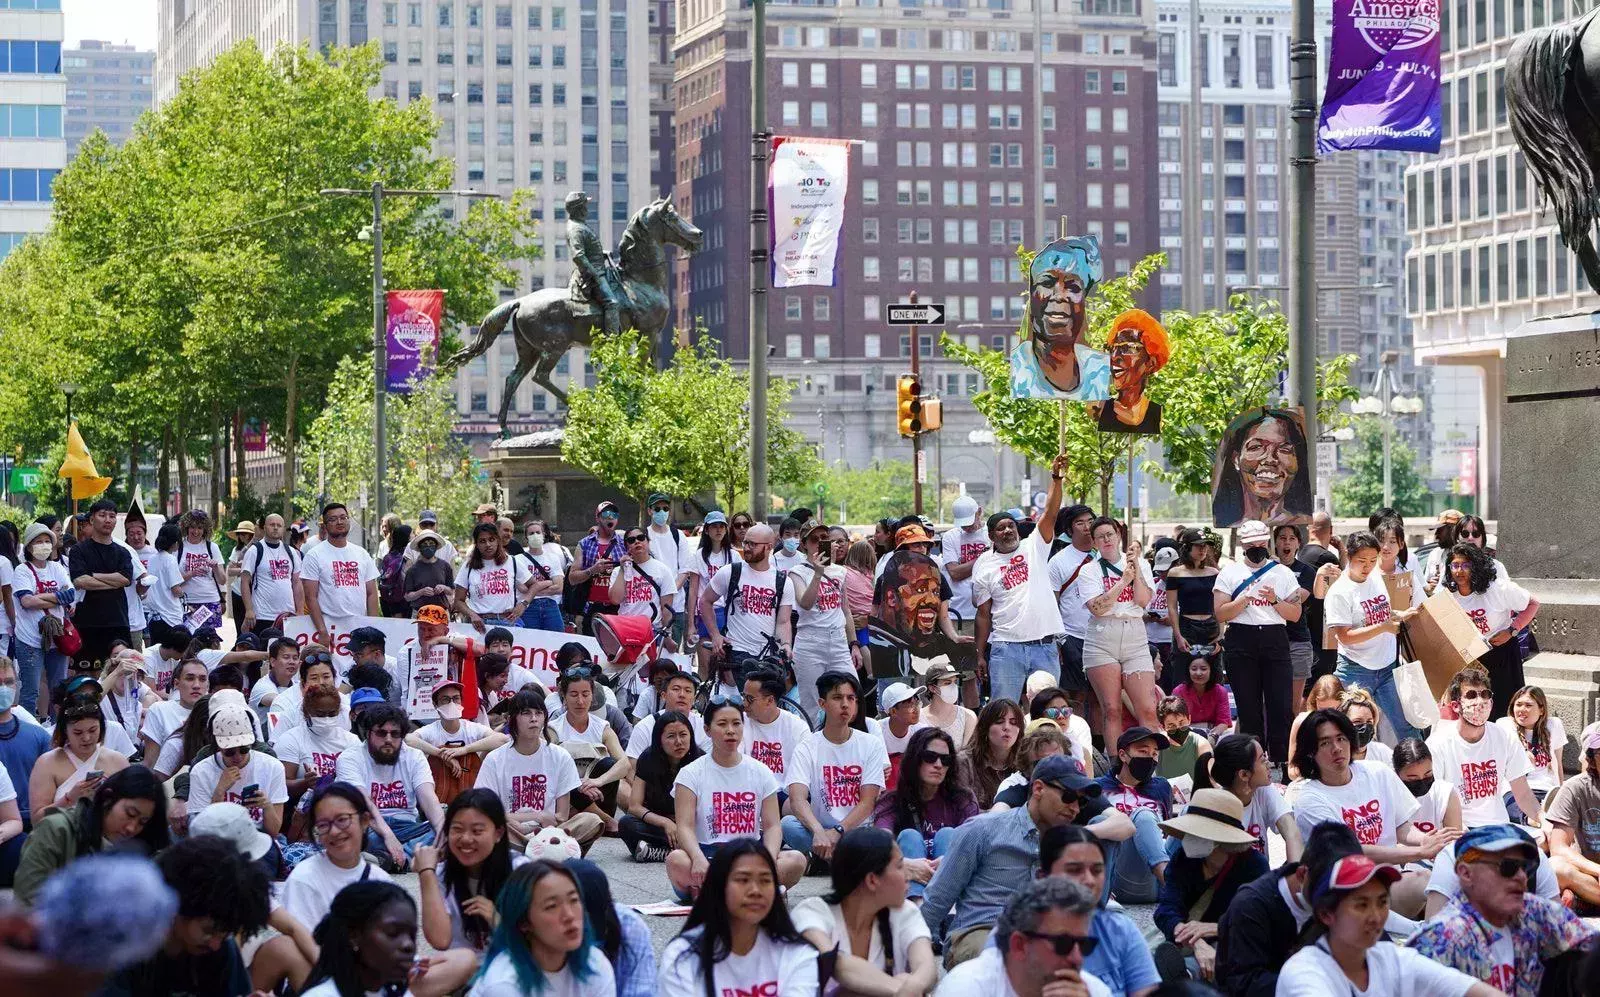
(422, 535)
(245, 528)
(1213, 814)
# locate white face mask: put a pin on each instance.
(327, 725)
(1476, 712)
(450, 711)
(949, 693)
(41, 551)
(535, 541)
(1197, 848)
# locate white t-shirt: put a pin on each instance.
(1379, 752)
(719, 560)
(774, 744)
(286, 712)
(1493, 609)
(273, 571)
(1432, 805)
(1158, 633)
(836, 773)
(677, 555)
(785, 561)
(549, 558)
(1481, 772)
(754, 612)
(1267, 807)
(529, 782)
(49, 578)
(1074, 611)
(8, 791)
(905, 927)
(162, 719)
(5, 580)
(341, 574)
(492, 589)
(314, 752)
(127, 728)
(263, 688)
(141, 576)
(639, 597)
(771, 969)
(727, 800)
(309, 891)
(392, 788)
(958, 546)
(1350, 603)
(200, 558)
(595, 733)
(827, 612)
(1391, 970)
(644, 730)
(986, 975)
(1023, 605)
(159, 601)
(1258, 612)
(261, 770)
(466, 734)
(499, 979)
(1096, 579)
(1373, 804)
(892, 745)
(1543, 766)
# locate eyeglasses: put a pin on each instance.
(939, 757)
(581, 672)
(1065, 943)
(342, 822)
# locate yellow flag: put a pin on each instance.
(79, 468)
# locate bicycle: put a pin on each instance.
(772, 657)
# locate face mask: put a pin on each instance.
(1364, 734)
(659, 517)
(41, 552)
(791, 544)
(450, 711)
(1198, 848)
(428, 550)
(1178, 734)
(8, 697)
(1256, 554)
(1419, 787)
(536, 540)
(948, 693)
(1142, 768)
(1476, 712)
(327, 725)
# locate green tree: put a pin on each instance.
(856, 494)
(1361, 491)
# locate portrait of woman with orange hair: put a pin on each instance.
(1139, 347)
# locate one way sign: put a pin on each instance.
(905, 313)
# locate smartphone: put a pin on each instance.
(91, 776)
(249, 791)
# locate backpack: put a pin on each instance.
(733, 591)
(391, 578)
(259, 549)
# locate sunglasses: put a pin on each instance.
(1508, 868)
(1058, 712)
(940, 757)
(1470, 694)
(1065, 943)
(739, 524)
(641, 538)
(1470, 535)
(317, 658)
(581, 672)
(720, 700)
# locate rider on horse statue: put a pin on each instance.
(593, 285)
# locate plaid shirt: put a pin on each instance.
(1459, 937)
(589, 552)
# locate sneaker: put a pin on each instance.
(646, 852)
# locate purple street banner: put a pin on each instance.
(1383, 77)
(413, 324)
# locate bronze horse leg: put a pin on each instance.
(541, 374)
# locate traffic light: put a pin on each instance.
(908, 404)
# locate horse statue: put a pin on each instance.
(547, 323)
(1553, 101)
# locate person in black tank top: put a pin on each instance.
(1189, 604)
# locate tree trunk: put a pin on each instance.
(183, 463)
(238, 452)
(218, 458)
(164, 472)
(291, 401)
(1105, 494)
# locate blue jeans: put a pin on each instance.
(914, 846)
(31, 661)
(796, 836)
(1133, 880)
(543, 614)
(1380, 683)
(1011, 664)
(413, 834)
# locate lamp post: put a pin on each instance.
(1386, 404)
(760, 153)
(69, 389)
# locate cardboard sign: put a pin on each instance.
(1399, 588)
(1444, 639)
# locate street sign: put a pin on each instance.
(905, 313)
(922, 467)
(25, 479)
(1327, 460)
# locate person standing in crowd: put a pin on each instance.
(339, 820)
(1017, 619)
(928, 803)
(1239, 765)
(163, 598)
(459, 881)
(102, 571)
(1287, 545)
(1573, 814)
(368, 945)
(1364, 626)
(547, 562)
(642, 585)
(429, 580)
(1500, 608)
(428, 522)
(243, 535)
(837, 774)
(943, 683)
(126, 809)
(338, 577)
(533, 777)
(1157, 626)
(670, 548)
(392, 573)
(1542, 736)
(1076, 552)
(1321, 549)
(959, 549)
(203, 569)
(396, 782)
(542, 941)
(1042, 940)
(739, 937)
(1479, 758)
(755, 610)
(772, 734)
(489, 586)
(823, 636)
(1116, 656)
(650, 827)
(1256, 597)
(22, 742)
(598, 553)
(1436, 556)
(44, 593)
(788, 556)
(715, 552)
(1191, 600)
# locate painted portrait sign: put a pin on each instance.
(1138, 347)
(907, 624)
(1053, 360)
(1262, 470)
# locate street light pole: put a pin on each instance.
(1388, 437)
(1303, 111)
(760, 150)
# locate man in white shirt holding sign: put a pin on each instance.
(339, 578)
(1356, 612)
(270, 579)
(1255, 596)
(835, 777)
(1482, 760)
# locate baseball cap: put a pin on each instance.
(486, 509)
(83, 684)
(1351, 873)
(1133, 735)
(965, 511)
(427, 516)
(1252, 532)
(442, 686)
(1591, 738)
(365, 696)
(1449, 517)
(714, 517)
(812, 527)
(231, 822)
(895, 694)
(434, 615)
(657, 497)
(362, 638)
(1494, 838)
(227, 697)
(232, 727)
(1066, 775)
(605, 507)
(1038, 722)
(913, 533)
(940, 670)
(1166, 557)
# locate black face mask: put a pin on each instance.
(427, 550)
(1364, 734)
(1419, 787)
(1141, 768)
(1256, 554)
(1178, 734)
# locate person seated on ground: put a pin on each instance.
(1186, 744)
(1040, 946)
(1574, 829)
(396, 782)
(1494, 929)
(85, 691)
(677, 695)
(126, 808)
(494, 684)
(1358, 704)
(368, 945)
(1543, 737)
(881, 939)
(605, 780)
(836, 776)
(534, 777)
(1239, 765)
(1479, 758)
(620, 933)
(339, 821)
(368, 646)
(239, 774)
(161, 658)
(945, 711)
(283, 663)
(929, 801)
(739, 937)
(902, 717)
(310, 752)
(1053, 703)
(316, 668)
(221, 895)
(75, 767)
(1443, 884)
(772, 734)
(1042, 737)
(1262, 925)
(992, 853)
(1438, 803)
(991, 756)
(1326, 693)
(1205, 696)
(454, 747)
(1367, 796)
(605, 703)
(1344, 950)
(1121, 957)
(1216, 856)
(207, 646)
(1146, 799)
(650, 827)
(724, 795)
(652, 680)
(542, 941)
(458, 882)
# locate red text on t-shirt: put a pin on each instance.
(1366, 820)
(390, 795)
(758, 601)
(1375, 610)
(1015, 572)
(767, 989)
(841, 785)
(768, 753)
(733, 813)
(827, 595)
(528, 792)
(1479, 780)
(639, 589)
(346, 574)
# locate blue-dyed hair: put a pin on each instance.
(512, 904)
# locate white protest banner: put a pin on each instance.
(805, 192)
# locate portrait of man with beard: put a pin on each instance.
(1053, 361)
(908, 626)
(1260, 471)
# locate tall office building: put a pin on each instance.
(1485, 259)
(108, 87)
(663, 22)
(941, 98)
(549, 95)
(32, 97)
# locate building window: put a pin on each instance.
(821, 308)
(819, 114)
(819, 74)
(1091, 119)
(793, 310)
(872, 342)
(793, 345)
(1091, 81)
